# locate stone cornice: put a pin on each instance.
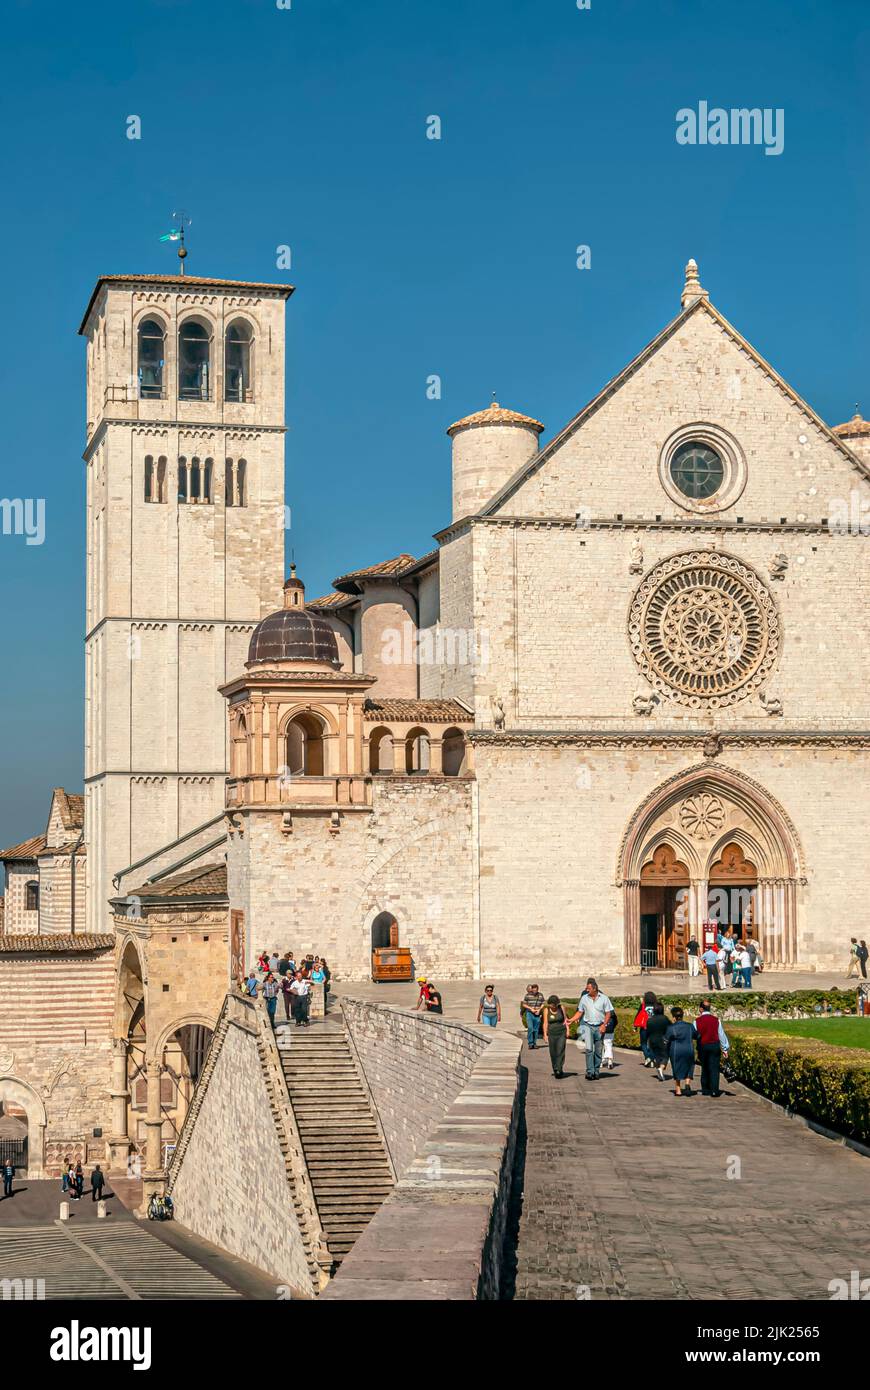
(183, 426)
(670, 738)
(230, 624)
(686, 525)
(266, 678)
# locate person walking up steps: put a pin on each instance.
(556, 1034)
(854, 959)
(489, 1009)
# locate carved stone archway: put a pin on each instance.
(13, 1091)
(698, 814)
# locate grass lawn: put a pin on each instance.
(842, 1032)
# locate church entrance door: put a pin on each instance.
(664, 893)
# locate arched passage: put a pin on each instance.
(22, 1136)
(699, 814)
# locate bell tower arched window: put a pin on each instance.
(151, 359)
(238, 361)
(194, 361)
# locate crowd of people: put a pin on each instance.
(730, 963)
(276, 974)
(673, 1042)
(73, 1181)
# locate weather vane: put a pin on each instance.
(177, 234)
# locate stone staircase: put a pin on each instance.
(344, 1150)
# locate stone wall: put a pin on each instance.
(316, 891)
(229, 1181)
(415, 1067)
(449, 1102)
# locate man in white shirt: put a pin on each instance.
(301, 1002)
(593, 1015)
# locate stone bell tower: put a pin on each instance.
(185, 546)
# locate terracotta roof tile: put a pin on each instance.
(853, 428)
(330, 601)
(28, 849)
(387, 569)
(496, 414)
(49, 944)
(420, 711)
(206, 880)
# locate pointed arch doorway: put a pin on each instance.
(728, 834)
(664, 892)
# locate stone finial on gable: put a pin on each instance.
(693, 289)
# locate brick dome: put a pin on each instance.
(294, 633)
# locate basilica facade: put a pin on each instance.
(622, 695)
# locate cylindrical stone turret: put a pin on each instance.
(855, 433)
(488, 448)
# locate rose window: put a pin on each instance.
(704, 629)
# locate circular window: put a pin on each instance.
(704, 629)
(697, 471)
(702, 468)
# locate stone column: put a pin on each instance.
(342, 740)
(436, 756)
(119, 1141)
(398, 754)
(256, 734)
(153, 1122)
(631, 920)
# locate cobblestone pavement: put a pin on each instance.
(626, 1193)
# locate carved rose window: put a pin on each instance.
(703, 629)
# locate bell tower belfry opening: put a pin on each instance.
(185, 546)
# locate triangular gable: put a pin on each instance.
(700, 305)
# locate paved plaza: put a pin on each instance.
(627, 1194)
(118, 1257)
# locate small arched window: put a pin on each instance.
(381, 750)
(194, 364)
(453, 760)
(152, 355)
(195, 474)
(417, 751)
(31, 896)
(305, 746)
(241, 483)
(160, 480)
(229, 484)
(149, 478)
(207, 470)
(238, 356)
(182, 480)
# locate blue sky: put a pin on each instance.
(411, 256)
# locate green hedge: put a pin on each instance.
(730, 1005)
(829, 1084)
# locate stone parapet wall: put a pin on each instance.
(415, 1066)
(449, 1102)
(236, 1178)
